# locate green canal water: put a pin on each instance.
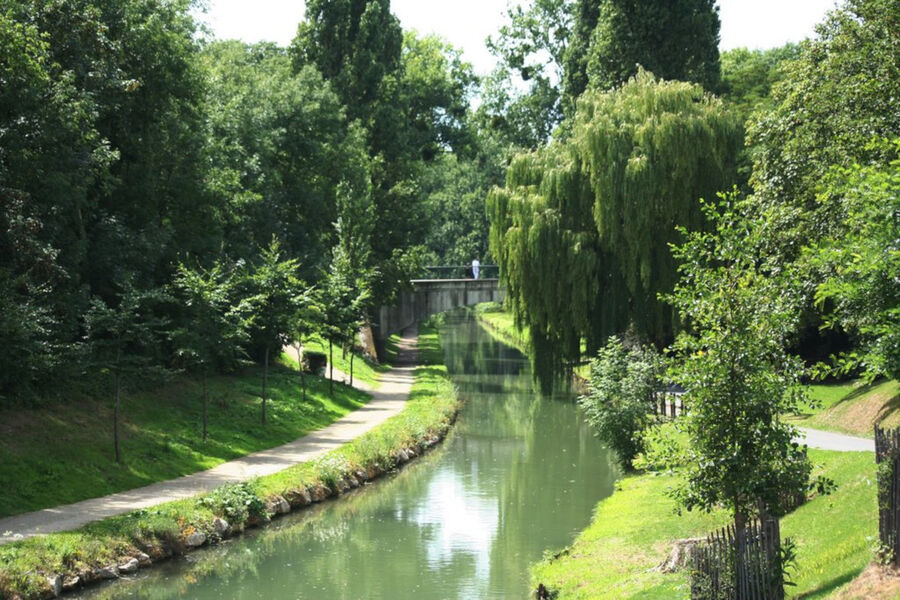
(518, 477)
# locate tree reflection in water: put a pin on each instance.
(520, 475)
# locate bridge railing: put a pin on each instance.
(460, 272)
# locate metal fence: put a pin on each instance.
(460, 272)
(887, 456)
(739, 566)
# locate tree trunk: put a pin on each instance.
(265, 386)
(302, 375)
(116, 417)
(205, 403)
(330, 368)
(351, 369)
(740, 543)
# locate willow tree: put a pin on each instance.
(583, 227)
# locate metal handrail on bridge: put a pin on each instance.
(460, 272)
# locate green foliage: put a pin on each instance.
(749, 76)
(739, 309)
(860, 290)
(581, 230)
(218, 326)
(835, 97)
(530, 48)
(575, 58)
(235, 503)
(280, 147)
(676, 40)
(621, 396)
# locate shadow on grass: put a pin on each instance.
(829, 586)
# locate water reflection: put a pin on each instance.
(520, 475)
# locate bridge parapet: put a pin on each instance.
(432, 296)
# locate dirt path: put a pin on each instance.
(388, 400)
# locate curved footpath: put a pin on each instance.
(388, 400)
(826, 440)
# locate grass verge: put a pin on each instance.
(501, 325)
(63, 453)
(852, 407)
(34, 567)
(633, 530)
(364, 369)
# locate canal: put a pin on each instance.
(519, 476)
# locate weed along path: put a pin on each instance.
(387, 400)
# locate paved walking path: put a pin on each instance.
(388, 400)
(826, 440)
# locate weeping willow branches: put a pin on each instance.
(582, 228)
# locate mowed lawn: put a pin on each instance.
(633, 530)
(852, 407)
(63, 452)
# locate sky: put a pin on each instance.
(466, 23)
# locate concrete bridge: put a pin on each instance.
(432, 296)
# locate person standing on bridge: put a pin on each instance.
(475, 266)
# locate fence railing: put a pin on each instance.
(887, 456)
(460, 272)
(739, 566)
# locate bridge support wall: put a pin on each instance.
(432, 296)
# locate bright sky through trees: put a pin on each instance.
(466, 23)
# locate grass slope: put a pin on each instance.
(63, 453)
(363, 368)
(853, 407)
(429, 412)
(633, 530)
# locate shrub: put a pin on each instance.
(620, 400)
(235, 502)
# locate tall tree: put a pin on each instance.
(835, 98)
(673, 39)
(575, 59)
(739, 307)
(582, 229)
(355, 44)
(215, 327)
(280, 145)
(121, 340)
(522, 99)
(276, 291)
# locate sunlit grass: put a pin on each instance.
(852, 407)
(63, 453)
(429, 412)
(633, 530)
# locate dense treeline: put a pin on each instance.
(643, 226)
(170, 202)
(590, 216)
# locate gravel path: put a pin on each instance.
(388, 400)
(826, 440)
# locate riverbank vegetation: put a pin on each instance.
(48, 458)
(644, 223)
(31, 568)
(172, 204)
(633, 532)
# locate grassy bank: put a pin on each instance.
(63, 453)
(363, 368)
(852, 407)
(633, 530)
(29, 569)
(501, 325)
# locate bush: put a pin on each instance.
(235, 503)
(620, 403)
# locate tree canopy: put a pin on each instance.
(582, 229)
